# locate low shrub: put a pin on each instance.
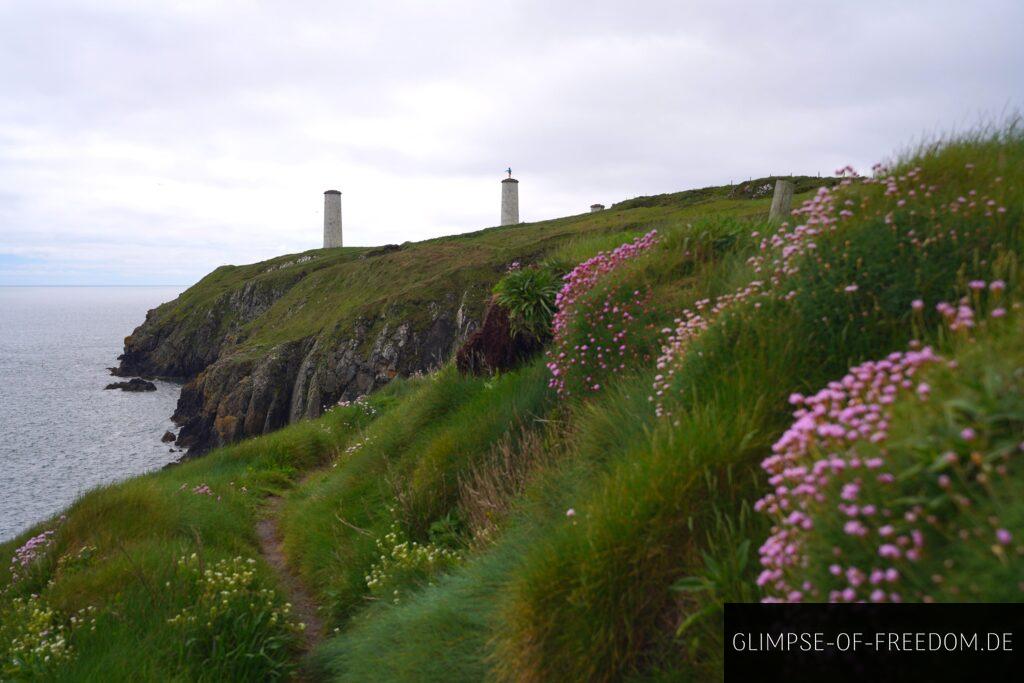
(404, 564)
(35, 641)
(234, 629)
(528, 294)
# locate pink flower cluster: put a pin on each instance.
(961, 317)
(815, 466)
(199, 490)
(28, 553)
(606, 346)
(778, 259)
(689, 326)
(909, 188)
(781, 252)
(970, 202)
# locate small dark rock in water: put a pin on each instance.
(168, 437)
(134, 384)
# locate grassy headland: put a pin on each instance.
(513, 528)
(270, 343)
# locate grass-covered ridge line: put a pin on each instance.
(326, 290)
(489, 528)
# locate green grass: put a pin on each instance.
(657, 502)
(966, 560)
(324, 294)
(630, 585)
(139, 529)
(411, 459)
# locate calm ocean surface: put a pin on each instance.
(61, 434)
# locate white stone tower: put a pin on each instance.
(332, 219)
(509, 200)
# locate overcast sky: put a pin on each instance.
(149, 142)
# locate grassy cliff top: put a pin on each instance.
(328, 289)
(496, 528)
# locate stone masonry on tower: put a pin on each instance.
(332, 219)
(509, 200)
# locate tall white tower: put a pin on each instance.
(332, 219)
(509, 200)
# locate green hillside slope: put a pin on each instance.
(270, 343)
(585, 516)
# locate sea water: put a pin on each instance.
(61, 433)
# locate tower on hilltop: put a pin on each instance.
(332, 219)
(509, 200)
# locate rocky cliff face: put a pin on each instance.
(180, 347)
(265, 344)
(232, 391)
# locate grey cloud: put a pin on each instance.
(208, 129)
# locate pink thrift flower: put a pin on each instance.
(854, 528)
(888, 550)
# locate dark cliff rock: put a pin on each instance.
(134, 384)
(182, 349)
(265, 344)
(494, 346)
(375, 352)
(236, 398)
(233, 392)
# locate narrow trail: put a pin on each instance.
(272, 547)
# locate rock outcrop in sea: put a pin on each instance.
(134, 384)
